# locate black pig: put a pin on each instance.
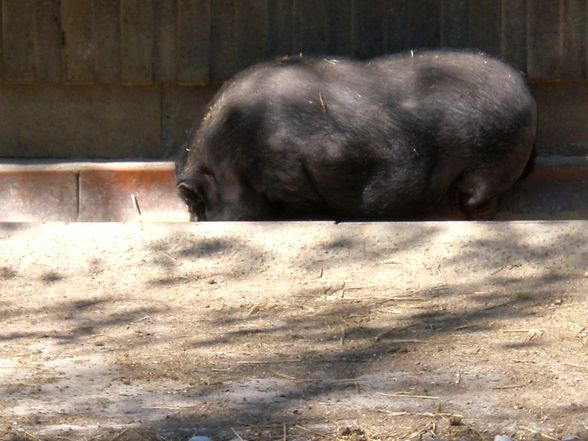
(387, 139)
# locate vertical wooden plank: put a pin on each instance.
(251, 31)
(397, 38)
(544, 44)
(368, 28)
(574, 39)
(193, 41)
(424, 22)
(280, 27)
(1, 44)
(166, 33)
(485, 26)
(48, 40)
(310, 26)
(514, 32)
(77, 23)
(182, 109)
(107, 40)
(17, 39)
(456, 23)
(339, 38)
(136, 41)
(222, 39)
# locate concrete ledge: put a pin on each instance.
(145, 192)
(90, 191)
(36, 195)
(123, 194)
(79, 166)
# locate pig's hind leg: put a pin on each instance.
(477, 196)
(480, 185)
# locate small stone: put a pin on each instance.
(455, 420)
(571, 438)
(502, 438)
(200, 438)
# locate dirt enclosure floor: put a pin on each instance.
(299, 331)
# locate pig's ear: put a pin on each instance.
(193, 198)
(197, 194)
(190, 192)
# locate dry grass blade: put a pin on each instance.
(266, 424)
(323, 105)
(417, 433)
(404, 395)
(119, 434)
(422, 414)
(459, 328)
(136, 203)
(288, 360)
(312, 432)
(285, 428)
(522, 331)
(237, 434)
(385, 299)
(382, 335)
(385, 412)
(510, 386)
(389, 262)
(581, 366)
(287, 377)
(498, 270)
(341, 380)
(536, 432)
(253, 310)
(499, 305)
(432, 289)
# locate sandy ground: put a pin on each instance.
(296, 331)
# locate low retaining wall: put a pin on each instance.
(145, 192)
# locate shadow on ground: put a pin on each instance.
(311, 348)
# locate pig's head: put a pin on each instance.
(198, 191)
(210, 197)
(213, 178)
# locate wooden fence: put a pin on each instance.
(126, 78)
(198, 42)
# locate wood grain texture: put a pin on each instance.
(18, 39)
(514, 32)
(194, 42)
(77, 21)
(48, 40)
(544, 20)
(107, 40)
(137, 38)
